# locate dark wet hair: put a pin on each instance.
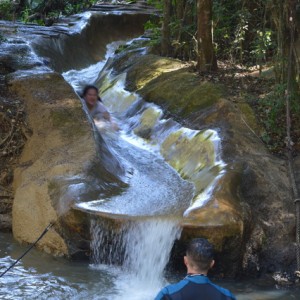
(90, 87)
(201, 252)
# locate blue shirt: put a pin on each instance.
(194, 287)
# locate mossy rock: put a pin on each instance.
(170, 84)
(17, 56)
(249, 118)
(188, 154)
(181, 92)
(147, 68)
(66, 119)
(149, 118)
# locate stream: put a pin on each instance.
(42, 276)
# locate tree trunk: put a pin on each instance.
(166, 33)
(284, 18)
(292, 27)
(186, 16)
(206, 57)
(21, 6)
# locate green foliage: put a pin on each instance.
(121, 48)
(73, 7)
(225, 20)
(242, 33)
(262, 42)
(182, 28)
(241, 30)
(158, 4)
(25, 15)
(272, 113)
(6, 10)
(69, 9)
(42, 10)
(154, 30)
(274, 107)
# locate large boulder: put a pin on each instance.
(249, 216)
(59, 165)
(65, 159)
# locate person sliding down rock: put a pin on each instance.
(96, 108)
(196, 285)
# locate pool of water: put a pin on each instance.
(41, 276)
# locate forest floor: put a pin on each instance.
(13, 134)
(267, 100)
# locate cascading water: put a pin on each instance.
(136, 245)
(128, 259)
(106, 243)
(142, 247)
(148, 244)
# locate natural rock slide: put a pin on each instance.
(66, 163)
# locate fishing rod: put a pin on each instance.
(43, 233)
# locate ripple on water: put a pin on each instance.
(40, 276)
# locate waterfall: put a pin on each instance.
(106, 242)
(141, 246)
(171, 167)
(147, 248)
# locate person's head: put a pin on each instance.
(90, 95)
(199, 256)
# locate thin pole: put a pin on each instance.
(43, 233)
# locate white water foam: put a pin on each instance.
(145, 246)
(79, 78)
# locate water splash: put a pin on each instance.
(106, 242)
(142, 247)
(79, 78)
(147, 248)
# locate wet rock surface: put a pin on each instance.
(261, 225)
(258, 225)
(46, 134)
